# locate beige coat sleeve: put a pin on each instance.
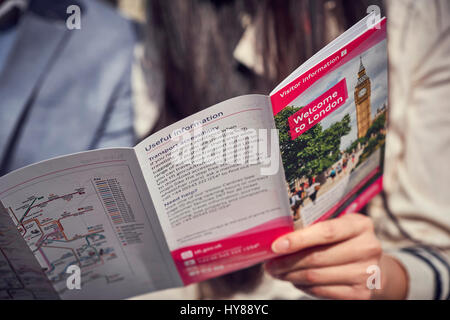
(416, 225)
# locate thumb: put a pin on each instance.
(281, 245)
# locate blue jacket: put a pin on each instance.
(64, 91)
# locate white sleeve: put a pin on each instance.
(416, 177)
(428, 273)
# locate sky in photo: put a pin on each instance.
(375, 62)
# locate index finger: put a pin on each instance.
(322, 233)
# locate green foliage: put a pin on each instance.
(377, 125)
(314, 151)
(375, 128)
(375, 142)
(354, 145)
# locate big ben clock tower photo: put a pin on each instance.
(362, 101)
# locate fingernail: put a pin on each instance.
(281, 246)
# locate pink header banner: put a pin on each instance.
(291, 91)
(310, 115)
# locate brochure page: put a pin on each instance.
(90, 210)
(219, 209)
(332, 122)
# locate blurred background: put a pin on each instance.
(195, 53)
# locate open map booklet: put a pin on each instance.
(207, 195)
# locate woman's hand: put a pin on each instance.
(330, 260)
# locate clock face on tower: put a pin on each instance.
(362, 92)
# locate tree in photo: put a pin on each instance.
(375, 138)
(314, 151)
